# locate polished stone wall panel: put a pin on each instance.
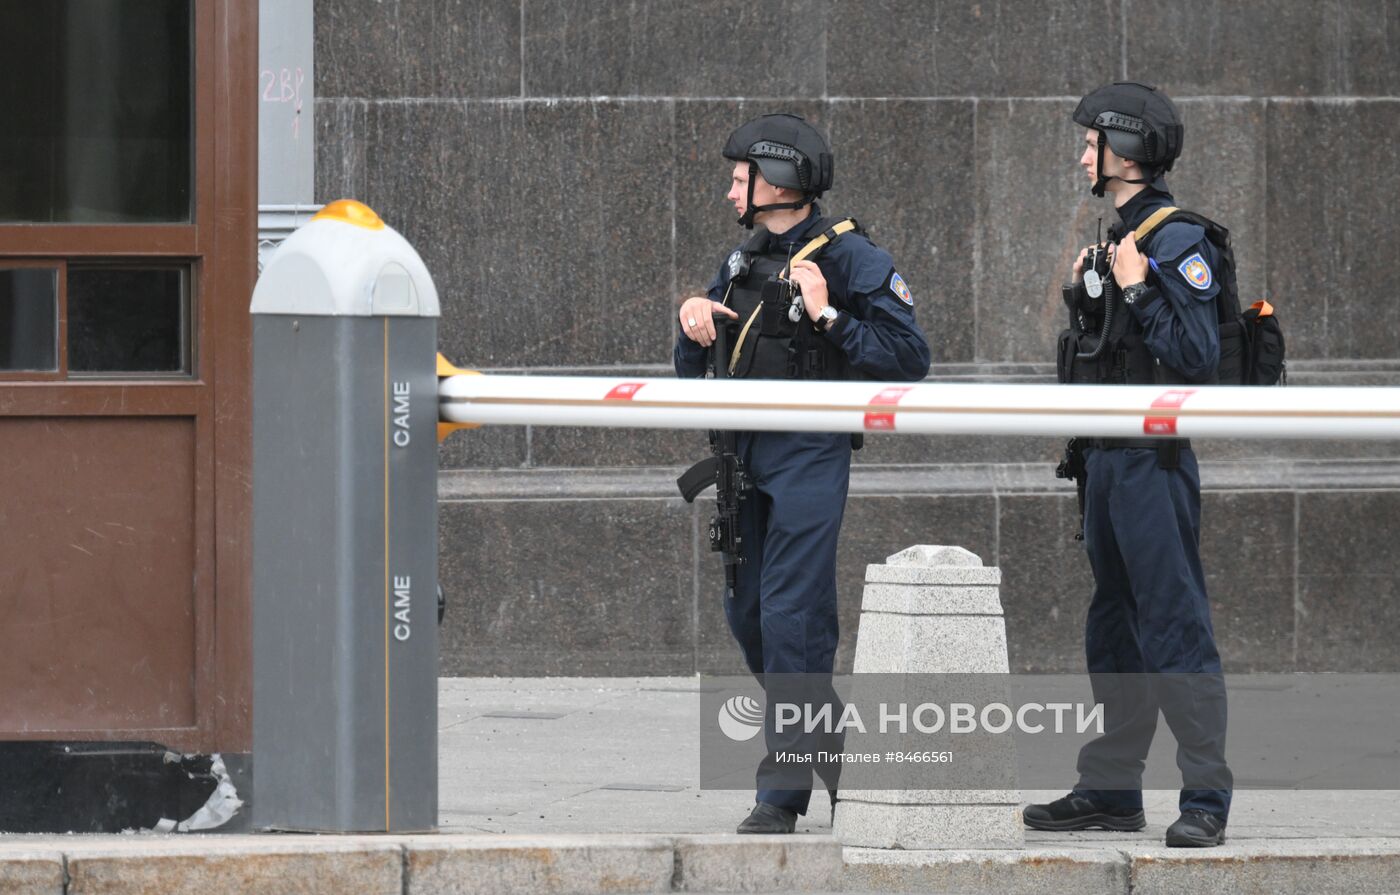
(1046, 584)
(641, 569)
(1248, 545)
(676, 48)
(1370, 36)
(1332, 246)
(563, 227)
(390, 49)
(904, 171)
(1034, 214)
(1222, 174)
(1348, 583)
(1266, 47)
(898, 48)
(569, 587)
(490, 447)
(580, 446)
(881, 448)
(341, 144)
(539, 256)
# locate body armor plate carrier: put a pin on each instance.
(768, 344)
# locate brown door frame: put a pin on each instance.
(221, 245)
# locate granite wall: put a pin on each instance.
(557, 165)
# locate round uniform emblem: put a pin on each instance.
(1196, 271)
(900, 288)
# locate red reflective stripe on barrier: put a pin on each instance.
(625, 392)
(1165, 425)
(885, 421)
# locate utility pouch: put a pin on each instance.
(1069, 366)
(1265, 345)
(774, 323)
(1234, 353)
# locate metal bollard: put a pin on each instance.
(345, 531)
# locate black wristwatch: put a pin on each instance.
(1131, 294)
(827, 316)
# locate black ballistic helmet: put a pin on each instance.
(1138, 122)
(789, 152)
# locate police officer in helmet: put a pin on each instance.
(797, 306)
(1148, 316)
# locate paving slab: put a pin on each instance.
(31, 873)
(198, 865)
(732, 863)
(1035, 871)
(1284, 867)
(553, 865)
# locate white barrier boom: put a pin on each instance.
(923, 408)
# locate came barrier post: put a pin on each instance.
(345, 531)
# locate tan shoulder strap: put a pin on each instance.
(1155, 219)
(820, 242)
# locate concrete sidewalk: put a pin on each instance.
(620, 755)
(591, 785)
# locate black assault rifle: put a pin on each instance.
(723, 469)
(1072, 467)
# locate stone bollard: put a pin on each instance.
(933, 610)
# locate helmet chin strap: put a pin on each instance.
(1101, 181)
(746, 220)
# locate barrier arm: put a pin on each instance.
(923, 408)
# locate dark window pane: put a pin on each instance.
(29, 319)
(96, 104)
(128, 320)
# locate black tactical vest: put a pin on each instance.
(1114, 354)
(765, 342)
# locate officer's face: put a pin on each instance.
(1112, 164)
(764, 193)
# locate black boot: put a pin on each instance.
(1196, 828)
(766, 818)
(1077, 811)
(832, 794)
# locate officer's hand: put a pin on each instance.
(1129, 265)
(1079, 264)
(697, 319)
(807, 275)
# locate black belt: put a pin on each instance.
(1149, 443)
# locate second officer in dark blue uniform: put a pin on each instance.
(1148, 636)
(855, 321)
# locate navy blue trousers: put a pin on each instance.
(1148, 637)
(783, 609)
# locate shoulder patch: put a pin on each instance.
(900, 288)
(1196, 272)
